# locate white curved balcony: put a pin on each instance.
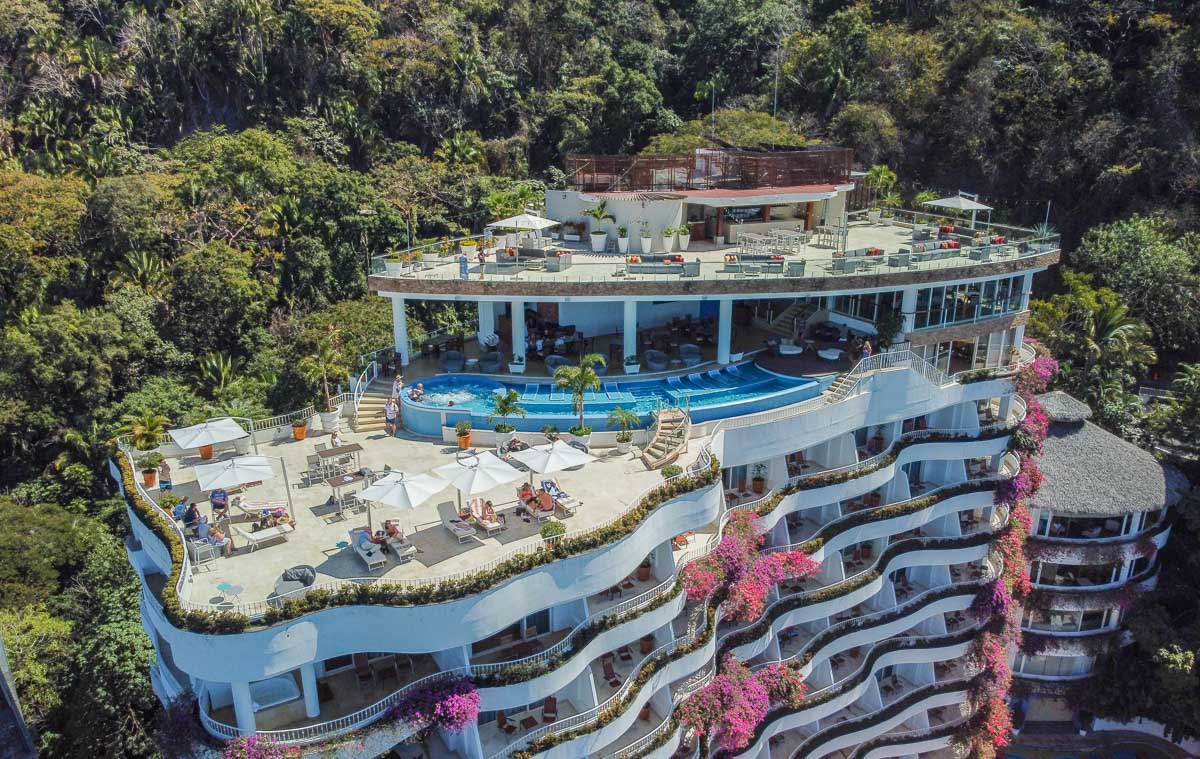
(1097, 551)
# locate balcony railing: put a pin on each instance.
(708, 170)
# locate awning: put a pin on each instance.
(958, 203)
(209, 433)
(525, 221)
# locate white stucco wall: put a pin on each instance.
(568, 205)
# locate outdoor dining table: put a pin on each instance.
(342, 481)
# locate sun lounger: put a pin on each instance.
(262, 536)
(675, 381)
(460, 529)
(610, 389)
(562, 499)
(489, 526)
(255, 510)
(531, 391)
(371, 554)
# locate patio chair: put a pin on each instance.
(656, 360)
(503, 724)
(562, 499)
(610, 674)
(460, 529)
(554, 361)
(362, 670)
(453, 361)
(549, 710)
(490, 362)
(202, 553)
(371, 554)
(689, 354)
(490, 526)
(263, 536)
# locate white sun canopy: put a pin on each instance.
(958, 203)
(234, 472)
(402, 491)
(552, 457)
(525, 221)
(473, 475)
(208, 433)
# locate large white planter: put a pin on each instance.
(392, 268)
(586, 440)
(623, 245)
(646, 243)
(719, 239)
(242, 445)
(430, 258)
(516, 368)
(632, 368)
(504, 438)
(685, 241)
(668, 243)
(873, 216)
(623, 448)
(599, 239)
(331, 419)
(571, 238)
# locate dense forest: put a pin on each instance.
(191, 190)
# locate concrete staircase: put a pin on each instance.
(670, 438)
(797, 314)
(370, 417)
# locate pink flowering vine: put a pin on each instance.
(449, 704)
(256, 747)
(734, 704)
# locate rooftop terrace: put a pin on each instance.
(832, 259)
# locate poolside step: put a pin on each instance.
(670, 438)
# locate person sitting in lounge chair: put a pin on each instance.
(191, 515)
(220, 503)
(544, 502)
(490, 515)
(207, 534)
(525, 493)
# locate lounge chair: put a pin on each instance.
(610, 674)
(503, 724)
(401, 547)
(543, 508)
(553, 361)
(531, 391)
(371, 554)
(490, 526)
(549, 710)
(453, 361)
(490, 362)
(262, 536)
(460, 529)
(656, 360)
(562, 499)
(689, 354)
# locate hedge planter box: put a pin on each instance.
(558, 263)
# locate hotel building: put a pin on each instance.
(740, 357)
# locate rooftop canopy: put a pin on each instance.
(524, 221)
(958, 203)
(208, 433)
(1092, 472)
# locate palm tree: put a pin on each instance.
(880, 179)
(923, 197)
(600, 213)
(579, 380)
(87, 447)
(145, 430)
(326, 361)
(505, 406)
(217, 370)
(625, 420)
(143, 269)
(1112, 341)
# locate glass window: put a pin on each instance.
(537, 624)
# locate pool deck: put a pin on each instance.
(320, 527)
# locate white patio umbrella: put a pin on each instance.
(552, 457)
(961, 203)
(402, 491)
(207, 433)
(234, 472)
(477, 474)
(526, 222)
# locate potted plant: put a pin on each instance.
(685, 236)
(468, 248)
(668, 235)
(580, 433)
(759, 482)
(326, 360)
(462, 431)
(149, 466)
(517, 365)
(551, 432)
(579, 380)
(503, 407)
(600, 214)
(633, 365)
(144, 430)
(622, 240)
(393, 264)
(874, 214)
(643, 573)
(168, 501)
(626, 420)
(645, 238)
(299, 429)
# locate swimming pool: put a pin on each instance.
(712, 394)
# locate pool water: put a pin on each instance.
(709, 394)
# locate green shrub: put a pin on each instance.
(552, 530)
(671, 470)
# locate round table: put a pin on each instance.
(229, 589)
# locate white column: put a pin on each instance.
(487, 321)
(243, 707)
(908, 309)
(400, 329)
(724, 329)
(518, 328)
(1026, 290)
(308, 681)
(630, 330)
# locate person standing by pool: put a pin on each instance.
(866, 351)
(391, 412)
(397, 386)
